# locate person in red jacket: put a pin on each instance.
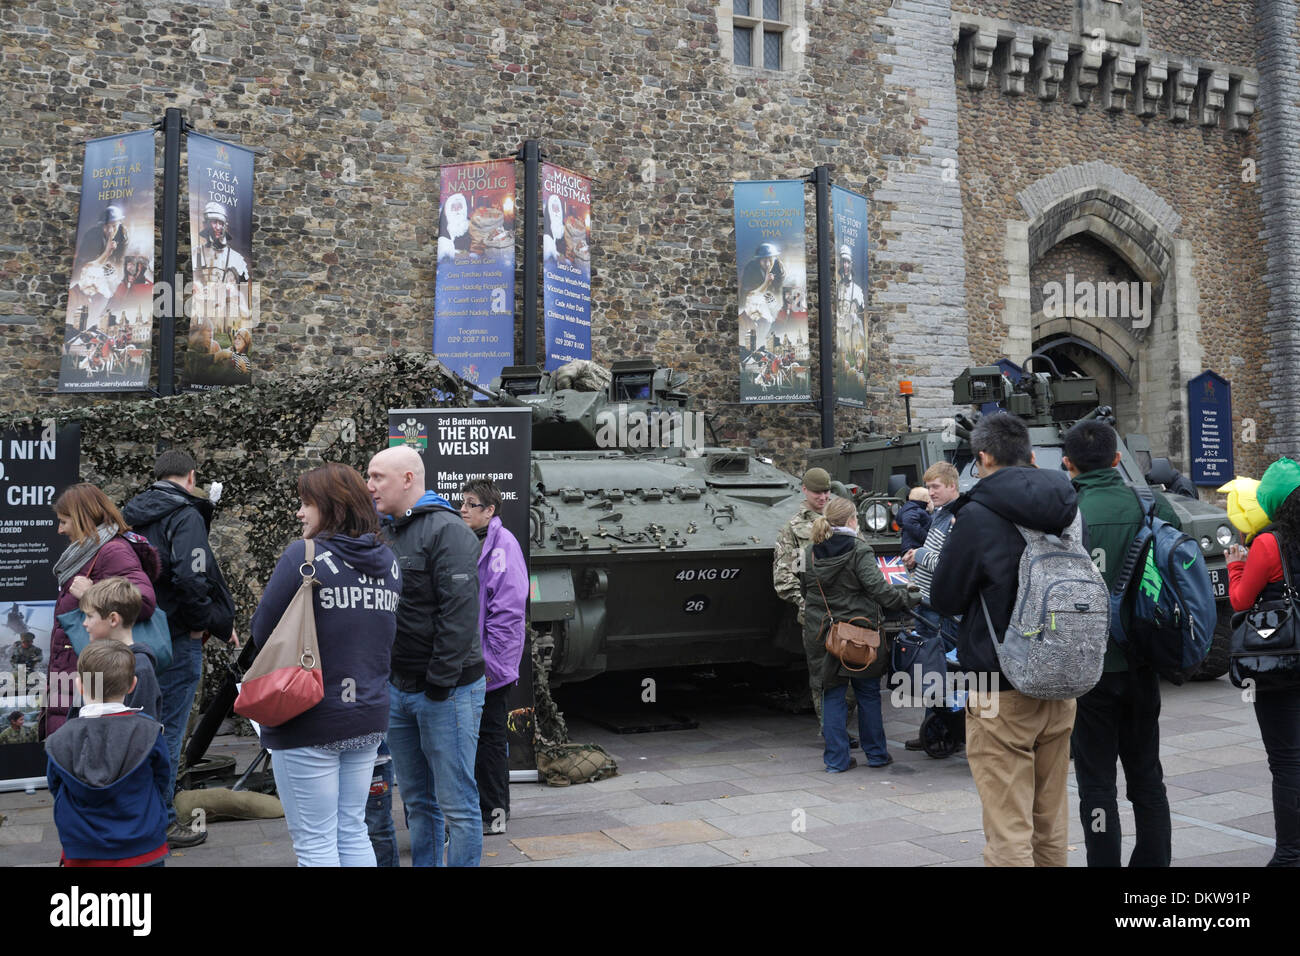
(1256, 574)
(97, 550)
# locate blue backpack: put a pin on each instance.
(1163, 592)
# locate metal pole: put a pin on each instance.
(532, 155)
(825, 309)
(173, 126)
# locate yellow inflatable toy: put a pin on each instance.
(1243, 510)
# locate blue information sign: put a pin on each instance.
(1209, 406)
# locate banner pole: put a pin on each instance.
(825, 343)
(173, 126)
(532, 155)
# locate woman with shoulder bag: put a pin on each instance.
(98, 550)
(324, 757)
(1259, 575)
(842, 584)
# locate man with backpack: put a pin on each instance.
(192, 592)
(1017, 745)
(1120, 717)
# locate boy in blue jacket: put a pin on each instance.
(108, 769)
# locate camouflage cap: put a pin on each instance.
(816, 479)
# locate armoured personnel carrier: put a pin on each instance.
(879, 470)
(649, 545)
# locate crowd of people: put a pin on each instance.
(419, 613)
(963, 554)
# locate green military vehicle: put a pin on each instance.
(649, 546)
(879, 470)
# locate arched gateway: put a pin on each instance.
(1100, 280)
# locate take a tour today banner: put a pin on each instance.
(474, 302)
(772, 277)
(221, 307)
(108, 326)
(849, 222)
(566, 264)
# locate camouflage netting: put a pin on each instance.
(255, 440)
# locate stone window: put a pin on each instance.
(763, 36)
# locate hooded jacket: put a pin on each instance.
(117, 558)
(437, 644)
(982, 553)
(355, 605)
(841, 574)
(191, 589)
(914, 521)
(147, 695)
(108, 776)
(502, 594)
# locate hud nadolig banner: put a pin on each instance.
(566, 264)
(849, 221)
(221, 240)
(108, 328)
(474, 302)
(773, 281)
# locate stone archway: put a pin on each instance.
(1141, 360)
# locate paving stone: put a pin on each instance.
(572, 844)
(1231, 755)
(950, 821)
(1261, 823)
(666, 813)
(848, 836)
(770, 821)
(11, 835)
(1255, 856)
(783, 800)
(779, 861)
(776, 766)
(1197, 742)
(962, 845)
(943, 800)
(1198, 841)
(500, 852)
(1217, 807)
(672, 833)
(880, 854)
(689, 792)
(691, 854)
(778, 782)
(733, 757)
(1217, 781)
(631, 781)
(767, 846)
(554, 824)
(861, 811)
(705, 774)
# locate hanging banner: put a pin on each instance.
(457, 445)
(35, 466)
(221, 241)
(474, 303)
(566, 264)
(108, 328)
(1209, 405)
(849, 226)
(772, 277)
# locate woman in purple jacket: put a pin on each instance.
(502, 594)
(100, 548)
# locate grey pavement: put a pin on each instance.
(747, 787)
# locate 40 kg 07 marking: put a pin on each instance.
(707, 574)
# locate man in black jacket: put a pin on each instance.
(438, 684)
(193, 594)
(1018, 746)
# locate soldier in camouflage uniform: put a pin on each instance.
(25, 653)
(16, 733)
(786, 560)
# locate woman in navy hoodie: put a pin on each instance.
(323, 758)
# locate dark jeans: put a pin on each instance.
(492, 763)
(379, 810)
(1278, 713)
(1120, 718)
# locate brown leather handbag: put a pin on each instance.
(855, 646)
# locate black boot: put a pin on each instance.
(1286, 823)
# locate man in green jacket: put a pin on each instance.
(1120, 717)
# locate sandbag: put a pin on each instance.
(564, 764)
(221, 804)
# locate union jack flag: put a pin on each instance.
(893, 570)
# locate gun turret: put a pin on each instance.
(1040, 398)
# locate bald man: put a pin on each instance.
(437, 679)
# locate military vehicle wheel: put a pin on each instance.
(1215, 664)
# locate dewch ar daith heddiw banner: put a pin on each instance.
(474, 302)
(849, 218)
(772, 277)
(108, 328)
(222, 307)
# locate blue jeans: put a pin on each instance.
(434, 744)
(379, 810)
(177, 685)
(871, 724)
(324, 797)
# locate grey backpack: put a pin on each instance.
(1055, 644)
